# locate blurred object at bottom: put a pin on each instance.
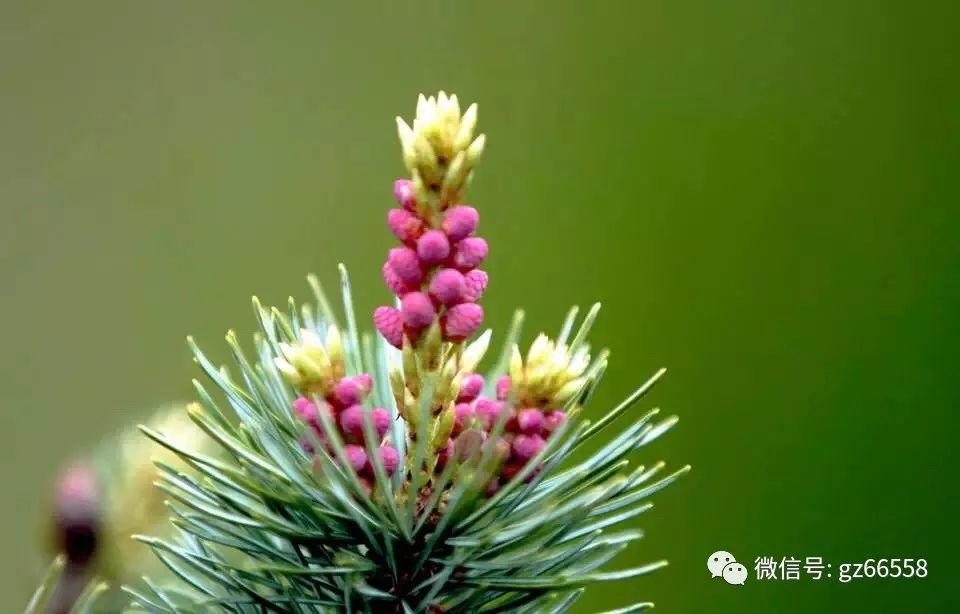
(99, 503)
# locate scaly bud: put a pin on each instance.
(381, 421)
(389, 322)
(403, 191)
(551, 375)
(390, 459)
(356, 456)
(418, 311)
(433, 247)
(470, 388)
(461, 321)
(351, 422)
(475, 282)
(448, 286)
(503, 387)
(404, 225)
(397, 285)
(460, 222)
(469, 253)
(406, 264)
(530, 421)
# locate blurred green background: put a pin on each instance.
(762, 194)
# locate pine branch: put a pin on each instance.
(346, 472)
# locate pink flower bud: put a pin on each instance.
(403, 192)
(351, 422)
(461, 321)
(406, 265)
(390, 459)
(503, 387)
(493, 487)
(396, 284)
(356, 456)
(433, 247)
(307, 411)
(364, 381)
(530, 421)
(381, 421)
(526, 447)
(404, 225)
(447, 286)
(418, 311)
(553, 420)
(459, 222)
(488, 411)
(470, 388)
(469, 253)
(346, 393)
(475, 283)
(462, 415)
(389, 322)
(78, 514)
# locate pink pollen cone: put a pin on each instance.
(488, 411)
(356, 456)
(448, 286)
(459, 222)
(306, 410)
(351, 422)
(406, 226)
(418, 311)
(406, 264)
(380, 418)
(462, 414)
(470, 388)
(396, 283)
(470, 253)
(461, 321)
(526, 447)
(503, 387)
(530, 421)
(364, 381)
(403, 192)
(346, 393)
(475, 283)
(390, 459)
(389, 322)
(433, 247)
(553, 420)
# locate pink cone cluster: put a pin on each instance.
(525, 432)
(343, 405)
(434, 272)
